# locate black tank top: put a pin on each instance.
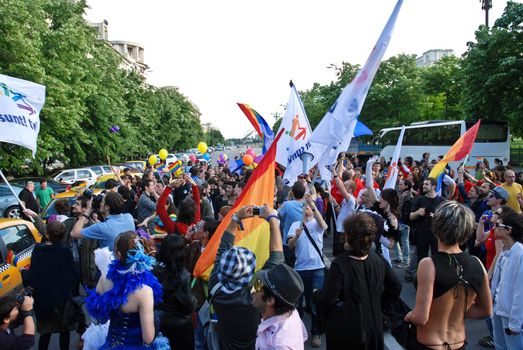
(452, 269)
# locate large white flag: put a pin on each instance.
(295, 140)
(392, 175)
(20, 105)
(334, 133)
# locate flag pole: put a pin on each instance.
(22, 204)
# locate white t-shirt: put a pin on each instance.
(307, 257)
(347, 208)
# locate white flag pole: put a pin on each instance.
(22, 204)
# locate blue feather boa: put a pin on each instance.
(100, 306)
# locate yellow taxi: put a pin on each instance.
(100, 182)
(17, 240)
(69, 195)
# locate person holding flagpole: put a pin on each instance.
(347, 207)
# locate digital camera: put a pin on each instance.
(258, 211)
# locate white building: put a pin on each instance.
(430, 57)
(132, 53)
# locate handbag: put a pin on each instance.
(404, 332)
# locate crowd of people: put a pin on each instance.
(131, 252)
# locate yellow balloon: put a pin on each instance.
(153, 159)
(202, 147)
(163, 154)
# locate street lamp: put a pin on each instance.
(486, 5)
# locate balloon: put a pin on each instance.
(192, 157)
(225, 157)
(258, 159)
(247, 159)
(163, 154)
(250, 151)
(202, 147)
(206, 156)
(220, 157)
(153, 159)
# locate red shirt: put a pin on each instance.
(335, 193)
(169, 225)
(490, 246)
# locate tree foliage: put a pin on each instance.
(486, 83)
(493, 70)
(87, 91)
(213, 136)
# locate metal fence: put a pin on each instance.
(516, 155)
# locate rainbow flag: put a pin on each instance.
(458, 151)
(174, 167)
(255, 236)
(260, 125)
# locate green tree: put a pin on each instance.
(441, 83)
(214, 136)
(88, 91)
(493, 70)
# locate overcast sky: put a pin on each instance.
(222, 52)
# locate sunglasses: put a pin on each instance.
(257, 286)
(498, 224)
(492, 196)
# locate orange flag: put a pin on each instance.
(255, 236)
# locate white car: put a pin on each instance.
(71, 176)
(101, 170)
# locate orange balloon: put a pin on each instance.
(247, 159)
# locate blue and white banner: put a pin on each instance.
(335, 131)
(20, 104)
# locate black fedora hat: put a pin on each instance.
(283, 282)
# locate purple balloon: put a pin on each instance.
(258, 159)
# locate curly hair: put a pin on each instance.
(360, 231)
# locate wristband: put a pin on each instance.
(268, 218)
(335, 176)
(85, 216)
(237, 220)
(313, 209)
(26, 313)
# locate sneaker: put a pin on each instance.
(316, 341)
(487, 342)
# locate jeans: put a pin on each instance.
(502, 340)
(199, 335)
(312, 279)
(423, 243)
(402, 248)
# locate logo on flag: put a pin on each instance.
(20, 105)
